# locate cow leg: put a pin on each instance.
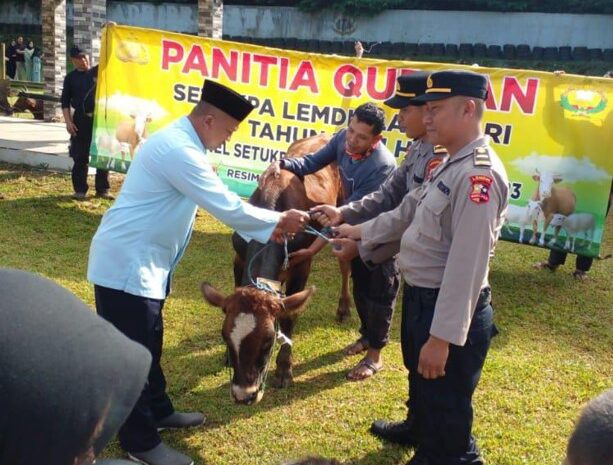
(556, 231)
(535, 230)
(296, 282)
(343, 312)
(545, 226)
(522, 228)
(284, 376)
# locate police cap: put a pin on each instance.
(408, 87)
(227, 100)
(77, 51)
(445, 84)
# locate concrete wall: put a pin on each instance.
(534, 29)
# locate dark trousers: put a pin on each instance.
(79, 152)
(441, 409)
(582, 263)
(140, 319)
(374, 294)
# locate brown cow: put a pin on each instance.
(552, 200)
(132, 133)
(282, 193)
(249, 332)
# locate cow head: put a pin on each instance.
(249, 333)
(546, 181)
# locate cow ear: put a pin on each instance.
(296, 303)
(212, 295)
(536, 177)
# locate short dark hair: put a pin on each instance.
(590, 443)
(372, 115)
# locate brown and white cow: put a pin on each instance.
(282, 193)
(249, 331)
(552, 200)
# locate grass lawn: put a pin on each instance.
(554, 351)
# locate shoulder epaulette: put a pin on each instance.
(481, 156)
(440, 150)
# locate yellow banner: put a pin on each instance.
(539, 123)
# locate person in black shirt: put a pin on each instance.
(11, 55)
(79, 93)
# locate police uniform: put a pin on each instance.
(448, 229)
(79, 92)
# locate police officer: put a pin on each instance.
(422, 158)
(79, 92)
(142, 237)
(448, 229)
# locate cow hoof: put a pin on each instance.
(283, 380)
(533, 240)
(343, 312)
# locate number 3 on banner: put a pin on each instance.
(515, 188)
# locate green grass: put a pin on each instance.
(554, 351)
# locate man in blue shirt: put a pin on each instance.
(142, 237)
(364, 163)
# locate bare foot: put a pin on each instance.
(366, 368)
(356, 347)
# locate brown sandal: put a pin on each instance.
(367, 367)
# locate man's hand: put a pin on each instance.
(348, 231)
(327, 215)
(71, 128)
(297, 257)
(344, 249)
(293, 221)
(433, 358)
(274, 170)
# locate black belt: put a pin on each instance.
(485, 296)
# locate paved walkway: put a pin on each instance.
(34, 143)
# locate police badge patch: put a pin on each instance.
(480, 188)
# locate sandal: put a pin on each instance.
(367, 368)
(357, 347)
(545, 266)
(580, 275)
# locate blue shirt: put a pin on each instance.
(359, 177)
(142, 237)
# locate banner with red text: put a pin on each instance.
(548, 129)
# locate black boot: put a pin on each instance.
(400, 432)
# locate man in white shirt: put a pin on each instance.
(142, 237)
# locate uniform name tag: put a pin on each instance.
(443, 188)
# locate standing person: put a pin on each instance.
(142, 237)
(20, 60)
(37, 65)
(364, 164)
(448, 230)
(419, 163)
(27, 53)
(79, 93)
(11, 64)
